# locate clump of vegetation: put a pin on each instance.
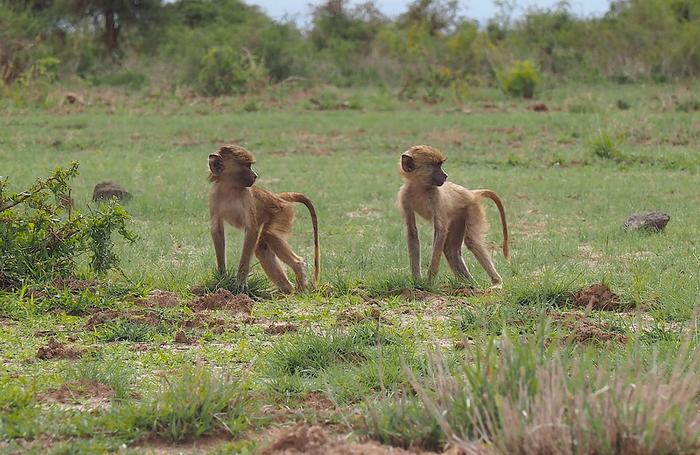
(505, 398)
(192, 404)
(605, 147)
(622, 105)
(42, 235)
(256, 287)
(688, 105)
(520, 79)
(309, 354)
(226, 72)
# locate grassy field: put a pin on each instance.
(368, 355)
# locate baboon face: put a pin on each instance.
(423, 164)
(233, 163)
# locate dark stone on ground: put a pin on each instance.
(109, 190)
(650, 221)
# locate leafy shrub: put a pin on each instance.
(520, 79)
(225, 72)
(33, 85)
(42, 236)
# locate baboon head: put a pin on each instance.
(232, 163)
(422, 164)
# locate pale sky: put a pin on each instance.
(298, 10)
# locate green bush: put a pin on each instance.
(42, 235)
(521, 79)
(226, 72)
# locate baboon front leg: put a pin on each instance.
(482, 255)
(289, 257)
(272, 267)
(453, 250)
(439, 237)
(217, 236)
(250, 240)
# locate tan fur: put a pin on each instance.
(457, 214)
(265, 217)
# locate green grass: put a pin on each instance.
(568, 178)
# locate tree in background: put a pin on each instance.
(116, 15)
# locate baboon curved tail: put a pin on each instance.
(301, 198)
(494, 197)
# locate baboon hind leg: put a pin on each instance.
(272, 266)
(477, 247)
(284, 251)
(453, 249)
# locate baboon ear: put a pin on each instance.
(407, 163)
(216, 164)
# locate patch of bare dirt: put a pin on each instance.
(314, 440)
(364, 212)
(422, 296)
(223, 299)
(135, 316)
(352, 316)
(317, 401)
(585, 330)
(71, 391)
(280, 328)
(447, 137)
(187, 140)
(598, 297)
(154, 445)
(57, 350)
(75, 285)
(161, 299)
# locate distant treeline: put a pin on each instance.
(217, 47)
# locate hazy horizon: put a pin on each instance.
(299, 10)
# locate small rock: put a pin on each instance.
(650, 221)
(109, 190)
(539, 107)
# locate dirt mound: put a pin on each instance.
(182, 338)
(586, 330)
(223, 299)
(541, 107)
(314, 440)
(278, 329)
(75, 284)
(57, 350)
(597, 297)
(161, 299)
(72, 390)
(136, 317)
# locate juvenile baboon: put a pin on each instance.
(265, 217)
(456, 213)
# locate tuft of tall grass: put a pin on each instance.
(192, 404)
(605, 147)
(522, 400)
(308, 354)
(257, 286)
